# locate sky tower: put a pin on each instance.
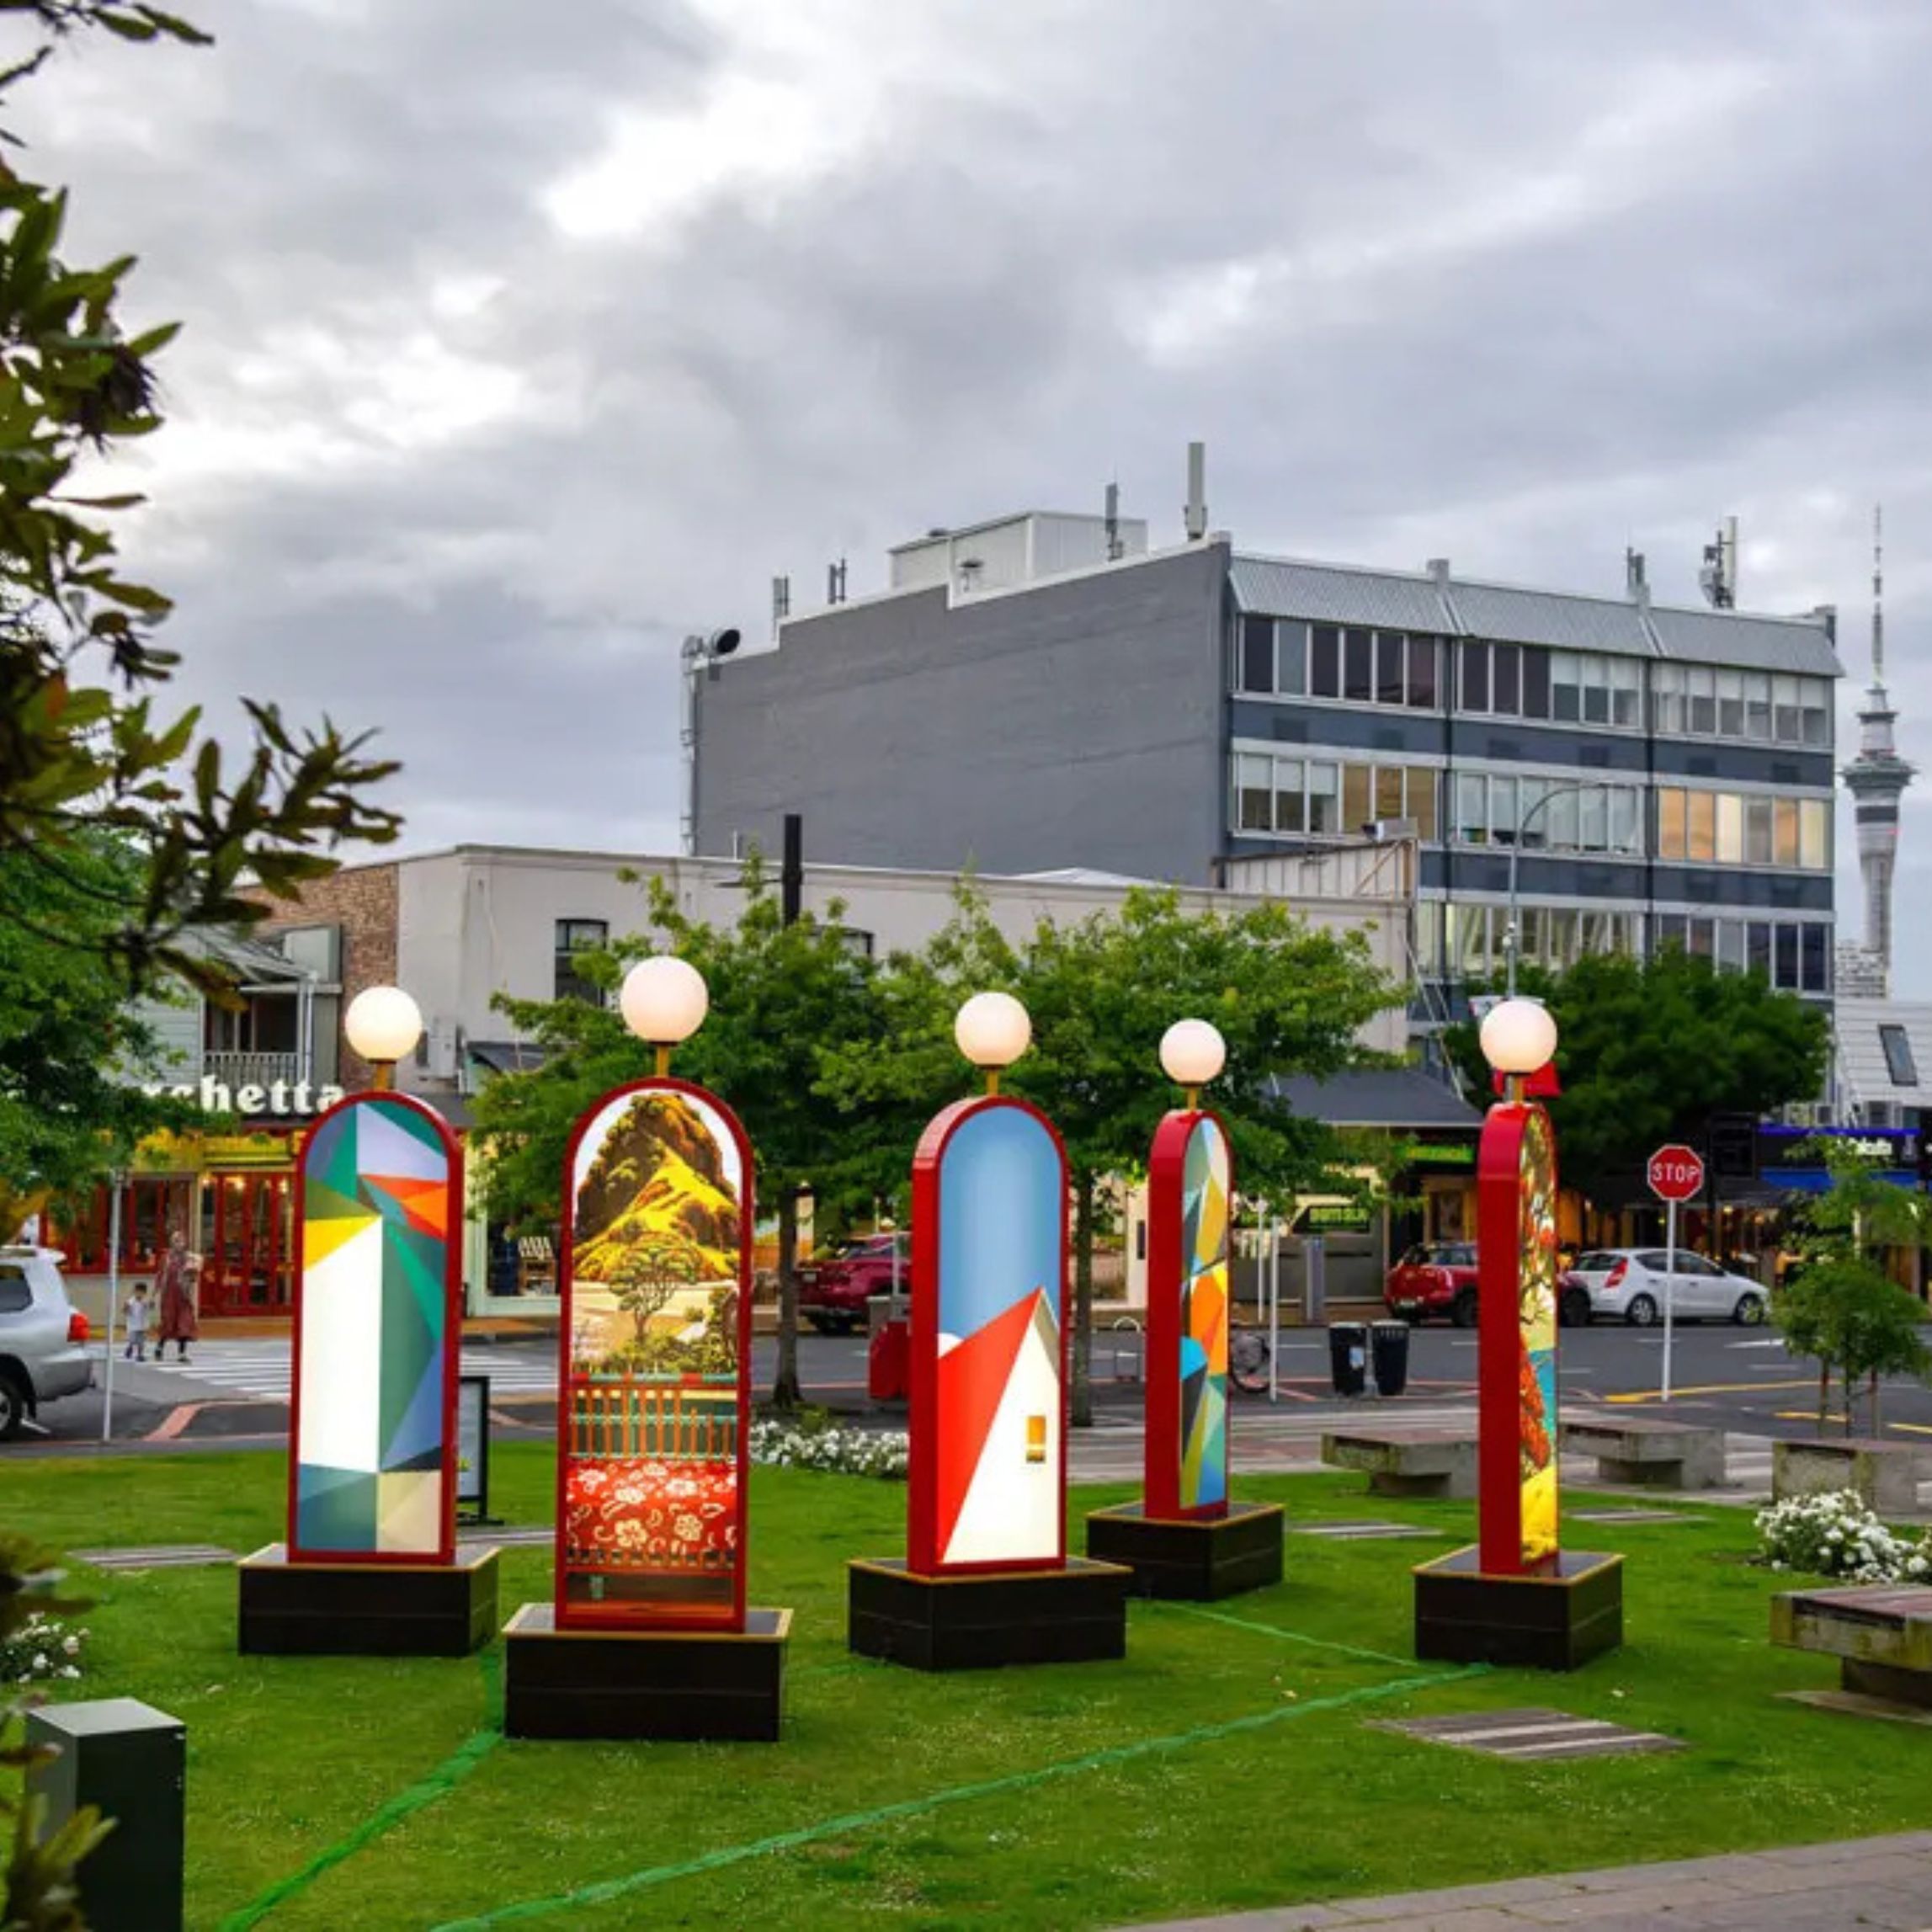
(1877, 778)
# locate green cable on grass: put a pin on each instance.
(438, 1783)
(614, 1888)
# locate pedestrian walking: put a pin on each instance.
(134, 1318)
(179, 1323)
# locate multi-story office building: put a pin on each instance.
(1660, 775)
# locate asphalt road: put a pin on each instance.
(233, 1394)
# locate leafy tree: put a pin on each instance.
(1838, 1304)
(783, 999)
(1288, 999)
(71, 1048)
(1648, 1051)
(82, 746)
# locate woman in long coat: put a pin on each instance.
(180, 1322)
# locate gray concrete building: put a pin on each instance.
(1025, 696)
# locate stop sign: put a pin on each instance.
(1674, 1172)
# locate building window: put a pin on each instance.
(1359, 666)
(1696, 700)
(1324, 662)
(1505, 680)
(1475, 677)
(1898, 1060)
(1423, 653)
(1548, 814)
(1392, 681)
(575, 937)
(1258, 653)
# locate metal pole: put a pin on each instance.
(1273, 1249)
(113, 1298)
(1669, 1288)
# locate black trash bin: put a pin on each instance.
(1349, 1357)
(1388, 1349)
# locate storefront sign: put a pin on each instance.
(276, 1099)
(1780, 1147)
(1439, 1154)
(1335, 1217)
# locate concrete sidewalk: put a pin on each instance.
(1883, 1882)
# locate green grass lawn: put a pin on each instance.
(1229, 1762)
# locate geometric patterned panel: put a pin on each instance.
(1204, 1318)
(376, 1346)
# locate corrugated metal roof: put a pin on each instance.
(1336, 594)
(1511, 617)
(1376, 1097)
(1736, 637)
(1862, 1052)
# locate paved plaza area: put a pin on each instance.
(1882, 1882)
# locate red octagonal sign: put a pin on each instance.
(1674, 1172)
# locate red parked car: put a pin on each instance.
(1439, 1281)
(833, 1291)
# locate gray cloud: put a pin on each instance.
(521, 340)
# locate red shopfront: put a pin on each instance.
(231, 1195)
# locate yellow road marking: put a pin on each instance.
(1916, 1428)
(1811, 1415)
(1711, 1388)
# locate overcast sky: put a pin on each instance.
(522, 339)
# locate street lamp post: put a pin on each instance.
(1510, 934)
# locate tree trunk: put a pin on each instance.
(1824, 1391)
(1850, 1398)
(785, 1390)
(1875, 1427)
(1083, 1403)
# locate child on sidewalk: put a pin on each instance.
(135, 1318)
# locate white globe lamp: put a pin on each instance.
(1192, 1054)
(1518, 1037)
(992, 1030)
(382, 1026)
(663, 1000)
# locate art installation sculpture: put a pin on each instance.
(1185, 1538)
(1518, 1596)
(986, 1579)
(647, 1634)
(370, 1563)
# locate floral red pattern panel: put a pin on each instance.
(638, 1516)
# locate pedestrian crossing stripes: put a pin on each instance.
(261, 1369)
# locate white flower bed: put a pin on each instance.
(1834, 1534)
(843, 1452)
(42, 1649)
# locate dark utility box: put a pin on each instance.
(130, 1761)
(1195, 1559)
(367, 1609)
(722, 1684)
(1077, 1615)
(1553, 1622)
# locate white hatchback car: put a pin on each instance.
(1630, 1284)
(43, 1336)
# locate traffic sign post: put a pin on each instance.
(1675, 1174)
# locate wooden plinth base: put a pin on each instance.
(1196, 1559)
(1554, 1622)
(1077, 1615)
(366, 1610)
(688, 1685)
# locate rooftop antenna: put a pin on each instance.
(1115, 548)
(835, 582)
(1718, 579)
(1633, 567)
(1196, 511)
(780, 602)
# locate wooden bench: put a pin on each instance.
(1645, 1454)
(1886, 1475)
(1405, 1462)
(1882, 1634)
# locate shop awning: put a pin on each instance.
(1399, 1097)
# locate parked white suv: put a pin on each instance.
(1629, 1283)
(43, 1336)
